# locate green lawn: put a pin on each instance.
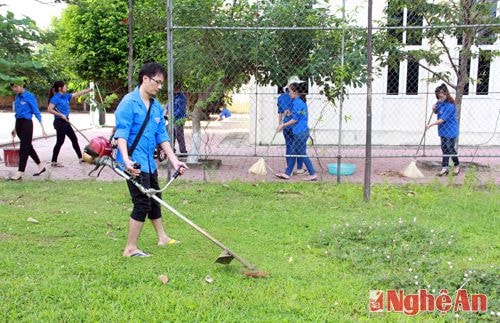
(323, 247)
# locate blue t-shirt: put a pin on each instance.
(129, 117)
(180, 103)
(285, 106)
(299, 114)
(447, 112)
(26, 106)
(225, 113)
(61, 102)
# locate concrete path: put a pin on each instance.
(229, 144)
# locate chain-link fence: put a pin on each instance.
(246, 67)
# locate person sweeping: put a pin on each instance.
(447, 123)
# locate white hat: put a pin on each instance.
(292, 79)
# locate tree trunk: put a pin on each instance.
(194, 152)
(199, 105)
(463, 64)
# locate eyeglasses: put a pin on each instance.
(158, 82)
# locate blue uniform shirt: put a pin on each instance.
(300, 114)
(180, 103)
(447, 112)
(225, 113)
(129, 117)
(26, 106)
(61, 102)
(284, 105)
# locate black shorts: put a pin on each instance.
(143, 205)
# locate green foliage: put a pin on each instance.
(103, 105)
(93, 40)
(17, 40)
(69, 267)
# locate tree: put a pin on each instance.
(212, 62)
(441, 49)
(93, 42)
(17, 40)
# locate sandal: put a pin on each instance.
(443, 172)
(312, 178)
(40, 172)
(282, 176)
(301, 171)
(139, 254)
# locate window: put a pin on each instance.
(483, 72)
(393, 75)
(485, 35)
(401, 18)
(412, 77)
(396, 20)
(414, 36)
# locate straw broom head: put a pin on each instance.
(412, 171)
(259, 168)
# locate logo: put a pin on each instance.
(412, 304)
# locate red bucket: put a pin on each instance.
(11, 156)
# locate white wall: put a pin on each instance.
(397, 119)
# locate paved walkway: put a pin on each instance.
(228, 141)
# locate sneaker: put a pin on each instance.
(301, 172)
(443, 172)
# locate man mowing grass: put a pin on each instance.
(140, 127)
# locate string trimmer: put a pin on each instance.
(102, 159)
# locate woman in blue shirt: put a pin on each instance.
(284, 104)
(447, 123)
(25, 106)
(59, 107)
(300, 133)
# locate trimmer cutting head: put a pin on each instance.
(224, 258)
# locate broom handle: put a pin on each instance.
(423, 135)
(269, 145)
(55, 108)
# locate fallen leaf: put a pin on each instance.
(209, 279)
(163, 278)
(111, 235)
(31, 220)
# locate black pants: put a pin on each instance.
(179, 136)
(24, 130)
(448, 148)
(143, 205)
(64, 129)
